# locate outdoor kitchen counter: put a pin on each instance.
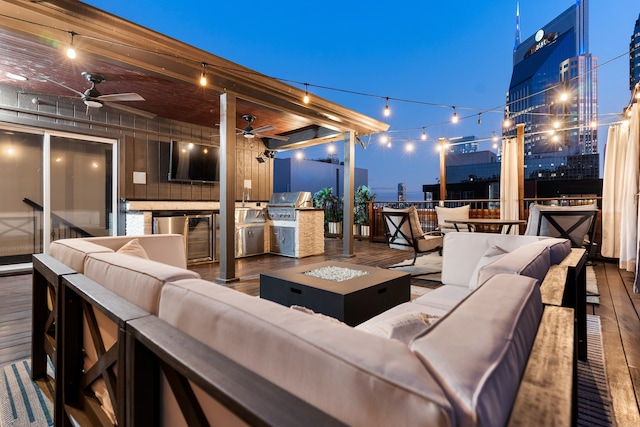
(307, 232)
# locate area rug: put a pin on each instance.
(24, 402)
(427, 267)
(594, 399)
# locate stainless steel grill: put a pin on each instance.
(283, 206)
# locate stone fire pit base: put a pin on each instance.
(352, 301)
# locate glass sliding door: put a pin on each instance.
(53, 186)
(81, 192)
(21, 194)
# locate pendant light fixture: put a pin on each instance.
(71, 51)
(306, 93)
(203, 76)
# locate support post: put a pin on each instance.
(443, 169)
(227, 187)
(349, 175)
(520, 151)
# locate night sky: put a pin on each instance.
(432, 55)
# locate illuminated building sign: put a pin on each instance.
(541, 40)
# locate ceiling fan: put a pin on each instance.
(249, 132)
(92, 97)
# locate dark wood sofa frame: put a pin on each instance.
(147, 346)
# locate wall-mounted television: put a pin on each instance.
(194, 162)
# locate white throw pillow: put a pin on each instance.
(318, 315)
(133, 247)
(492, 254)
(404, 327)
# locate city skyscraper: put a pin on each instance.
(634, 56)
(553, 92)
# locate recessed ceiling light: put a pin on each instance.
(16, 77)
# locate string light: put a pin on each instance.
(454, 118)
(409, 147)
(306, 93)
(506, 123)
(71, 51)
(203, 76)
(424, 135)
(384, 139)
(563, 96)
(479, 118)
(387, 112)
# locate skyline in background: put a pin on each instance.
(426, 58)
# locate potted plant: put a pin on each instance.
(324, 199)
(362, 198)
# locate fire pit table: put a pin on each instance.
(348, 292)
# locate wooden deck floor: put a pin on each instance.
(619, 311)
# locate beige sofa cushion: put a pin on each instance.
(532, 260)
(72, 252)
(165, 248)
(332, 366)
(463, 251)
(479, 350)
(136, 279)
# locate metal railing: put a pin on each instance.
(479, 208)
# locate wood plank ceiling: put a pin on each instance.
(165, 72)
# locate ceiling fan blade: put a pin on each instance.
(263, 129)
(64, 86)
(278, 137)
(116, 97)
(132, 110)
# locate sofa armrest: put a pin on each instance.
(545, 398)
(183, 359)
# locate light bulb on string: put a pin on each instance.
(203, 76)
(454, 118)
(71, 51)
(306, 93)
(409, 147)
(479, 118)
(507, 122)
(424, 135)
(495, 140)
(387, 112)
(384, 139)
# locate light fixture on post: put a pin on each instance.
(71, 51)
(424, 135)
(387, 112)
(203, 76)
(306, 93)
(454, 118)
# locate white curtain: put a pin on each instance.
(612, 184)
(629, 213)
(621, 183)
(509, 182)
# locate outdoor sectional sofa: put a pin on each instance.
(228, 358)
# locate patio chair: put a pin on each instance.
(576, 223)
(403, 231)
(460, 213)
